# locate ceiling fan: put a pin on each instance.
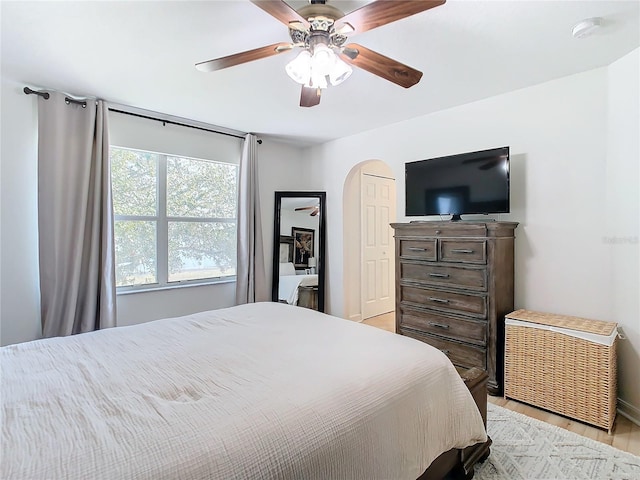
(315, 209)
(321, 31)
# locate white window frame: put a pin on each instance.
(162, 230)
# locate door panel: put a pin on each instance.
(378, 267)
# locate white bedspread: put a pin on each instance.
(257, 391)
(288, 286)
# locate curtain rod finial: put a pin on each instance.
(28, 91)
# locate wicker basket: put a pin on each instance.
(563, 364)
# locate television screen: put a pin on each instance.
(467, 183)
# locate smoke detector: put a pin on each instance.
(587, 27)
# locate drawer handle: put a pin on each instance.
(439, 275)
(417, 249)
(439, 325)
(438, 300)
(461, 250)
(446, 352)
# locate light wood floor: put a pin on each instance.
(386, 321)
(625, 435)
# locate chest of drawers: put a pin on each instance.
(454, 286)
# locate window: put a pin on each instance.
(175, 219)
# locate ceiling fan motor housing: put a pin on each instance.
(322, 18)
(320, 10)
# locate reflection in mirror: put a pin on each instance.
(298, 249)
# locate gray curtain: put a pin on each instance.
(250, 274)
(75, 217)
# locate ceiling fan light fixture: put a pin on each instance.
(299, 69)
(323, 59)
(340, 72)
(317, 81)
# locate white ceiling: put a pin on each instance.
(289, 203)
(143, 54)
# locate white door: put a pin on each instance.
(378, 294)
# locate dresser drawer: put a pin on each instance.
(466, 251)
(422, 249)
(433, 274)
(443, 229)
(460, 354)
(466, 304)
(473, 331)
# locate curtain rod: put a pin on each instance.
(45, 95)
(68, 100)
(176, 123)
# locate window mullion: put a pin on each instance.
(135, 218)
(163, 226)
(201, 219)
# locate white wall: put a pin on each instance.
(280, 167)
(557, 132)
(142, 307)
(623, 216)
(19, 288)
(557, 135)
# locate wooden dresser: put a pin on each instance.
(454, 286)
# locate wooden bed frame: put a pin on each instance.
(459, 463)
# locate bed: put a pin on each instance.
(289, 283)
(264, 390)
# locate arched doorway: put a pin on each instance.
(369, 206)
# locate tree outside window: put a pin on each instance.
(175, 218)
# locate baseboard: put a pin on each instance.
(629, 411)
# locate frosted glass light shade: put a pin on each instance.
(312, 70)
(323, 59)
(340, 72)
(316, 81)
(299, 69)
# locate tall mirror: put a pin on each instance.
(298, 249)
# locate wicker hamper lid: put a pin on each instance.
(597, 327)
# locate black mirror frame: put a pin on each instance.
(320, 259)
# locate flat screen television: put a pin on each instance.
(467, 183)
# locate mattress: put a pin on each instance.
(262, 390)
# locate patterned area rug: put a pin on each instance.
(525, 448)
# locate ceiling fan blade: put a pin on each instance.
(380, 13)
(303, 208)
(380, 65)
(309, 97)
(244, 57)
(280, 11)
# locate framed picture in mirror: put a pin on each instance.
(303, 245)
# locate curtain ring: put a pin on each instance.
(68, 101)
